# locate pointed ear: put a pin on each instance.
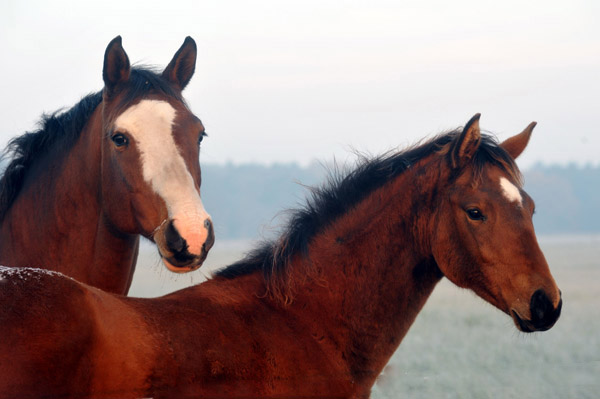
(516, 144)
(181, 68)
(466, 144)
(116, 66)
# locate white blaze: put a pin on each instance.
(510, 191)
(150, 124)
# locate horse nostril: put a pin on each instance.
(541, 306)
(174, 241)
(210, 239)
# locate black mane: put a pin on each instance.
(341, 193)
(64, 128)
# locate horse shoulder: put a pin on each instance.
(125, 348)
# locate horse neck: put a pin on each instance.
(371, 272)
(56, 221)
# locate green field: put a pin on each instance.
(461, 347)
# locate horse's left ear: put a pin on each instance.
(181, 68)
(516, 144)
(466, 144)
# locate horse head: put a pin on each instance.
(150, 157)
(484, 237)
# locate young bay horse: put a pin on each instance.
(316, 313)
(123, 162)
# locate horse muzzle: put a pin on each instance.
(543, 314)
(175, 250)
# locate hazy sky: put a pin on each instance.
(281, 81)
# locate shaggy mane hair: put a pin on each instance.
(342, 192)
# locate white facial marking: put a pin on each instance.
(150, 123)
(510, 191)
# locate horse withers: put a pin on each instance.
(123, 162)
(316, 313)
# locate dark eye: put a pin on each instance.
(120, 140)
(475, 214)
(202, 135)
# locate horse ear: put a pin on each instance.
(466, 144)
(116, 65)
(516, 144)
(181, 68)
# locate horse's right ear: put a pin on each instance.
(516, 144)
(116, 66)
(181, 68)
(466, 143)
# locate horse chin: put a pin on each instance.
(527, 326)
(181, 269)
(191, 263)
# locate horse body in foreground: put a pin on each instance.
(317, 313)
(123, 162)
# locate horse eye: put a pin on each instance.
(202, 135)
(120, 140)
(475, 214)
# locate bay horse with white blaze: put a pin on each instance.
(123, 162)
(316, 313)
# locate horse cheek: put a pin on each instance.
(117, 189)
(442, 245)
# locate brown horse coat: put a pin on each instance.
(315, 314)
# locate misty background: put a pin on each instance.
(283, 87)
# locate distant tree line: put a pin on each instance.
(567, 198)
(249, 201)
